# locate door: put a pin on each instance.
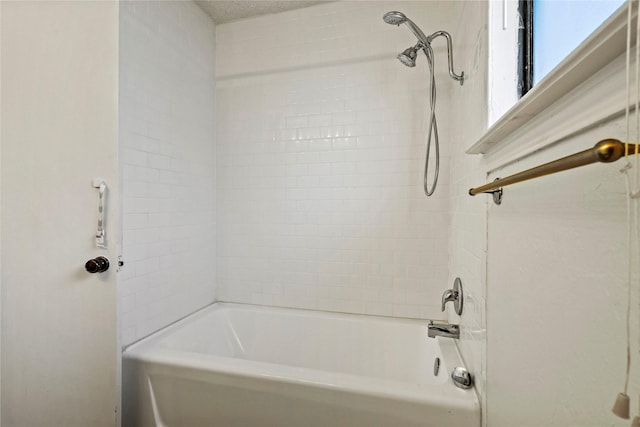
(59, 79)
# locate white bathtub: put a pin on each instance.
(234, 365)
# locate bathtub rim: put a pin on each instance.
(442, 393)
(158, 333)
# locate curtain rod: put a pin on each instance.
(605, 151)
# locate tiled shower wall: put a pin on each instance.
(320, 151)
(469, 214)
(167, 143)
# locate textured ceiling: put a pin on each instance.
(226, 11)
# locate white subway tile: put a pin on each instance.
(166, 154)
(134, 157)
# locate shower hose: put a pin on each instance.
(432, 134)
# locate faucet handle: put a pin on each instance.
(454, 295)
(448, 295)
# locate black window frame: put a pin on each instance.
(525, 47)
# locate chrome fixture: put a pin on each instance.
(436, 367)
(442, 330)
(461, 378)
(397, 18)
(454, 295)
(408, 58)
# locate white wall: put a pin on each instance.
(321, 141)
(0, 223)
(59, 132)
(167, 139)
(557, 295)
(469, 115)
(557, 292)
(543, 327)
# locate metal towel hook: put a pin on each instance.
(101, 238)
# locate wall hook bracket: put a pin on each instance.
(100, 236)
(496, 194)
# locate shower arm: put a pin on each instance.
(447, 36)
(416, 31)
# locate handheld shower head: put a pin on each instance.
(394, 18)
(408, 57)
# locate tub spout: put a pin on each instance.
(443, 330)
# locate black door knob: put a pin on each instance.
(97, 265)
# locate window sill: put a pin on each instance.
(583, 65)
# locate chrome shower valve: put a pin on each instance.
(449, 295)
(454, 295)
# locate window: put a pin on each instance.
(552, 29)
